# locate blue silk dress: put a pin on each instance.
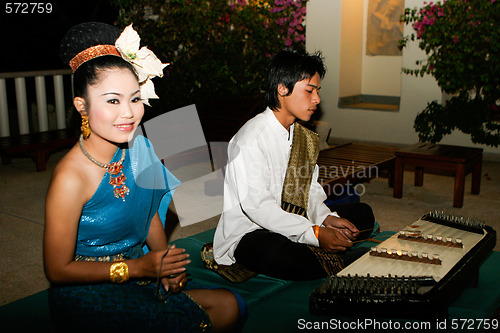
(111, 229)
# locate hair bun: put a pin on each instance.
(85, 35)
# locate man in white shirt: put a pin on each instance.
(274, 219)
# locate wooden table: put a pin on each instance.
(352, 164)
(460, 160)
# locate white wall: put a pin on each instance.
(381, 74)
(323, 33)
(360, 73)
(351, 48)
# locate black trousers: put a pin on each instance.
(274, 255)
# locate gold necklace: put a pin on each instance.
(114, 169)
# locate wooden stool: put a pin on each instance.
(37, 145)
(460, 160)
(353, 163)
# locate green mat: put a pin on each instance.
(275, 305)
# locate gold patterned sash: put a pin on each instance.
(295, 193)
(303, 157)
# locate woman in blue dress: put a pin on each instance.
(105, 250)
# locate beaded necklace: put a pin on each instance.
(114, 169)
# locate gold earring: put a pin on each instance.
(85, 129)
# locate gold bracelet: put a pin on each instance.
(118, 272)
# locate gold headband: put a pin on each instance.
(91, 53)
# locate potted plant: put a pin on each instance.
(216, 48)
(461, 40)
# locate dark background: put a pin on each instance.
(31, 41)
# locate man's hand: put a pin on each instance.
(342, 225)
(332, 240)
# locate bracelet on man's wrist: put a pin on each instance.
(316, 231)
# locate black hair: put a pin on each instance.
(88, 72)
(86, 35)
(289, 67)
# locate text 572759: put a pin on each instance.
(28, 8)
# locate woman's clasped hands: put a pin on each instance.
(169, 267)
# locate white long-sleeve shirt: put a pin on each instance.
(257, 162)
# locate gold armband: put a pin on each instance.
(118, 272)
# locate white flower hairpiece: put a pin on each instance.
(145, 62)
